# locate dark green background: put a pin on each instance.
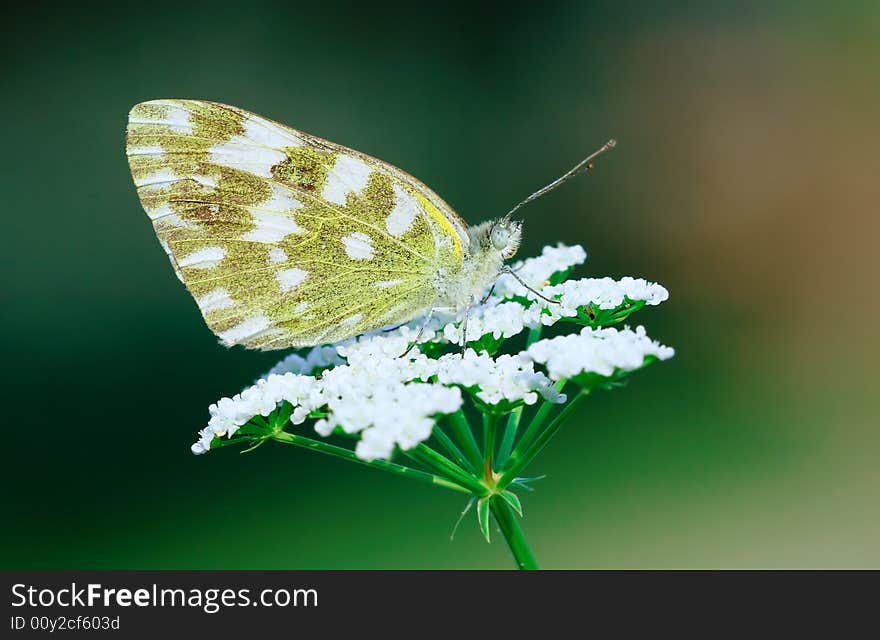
(745, 181)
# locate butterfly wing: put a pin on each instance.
(282, 238)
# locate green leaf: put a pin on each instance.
(281, 415)
(251, 429)
(219, 442)
(513, 500)
(559, 277)
(617, 380)
(525, 483)
(467, 507)
(591, 315)
(433, 349)
(260, 421)
(487, 343)
(503, 407)
(483, 517)
(256, 444)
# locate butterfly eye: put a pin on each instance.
(500, 237)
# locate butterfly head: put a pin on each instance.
(503, 235)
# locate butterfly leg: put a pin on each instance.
(419, 334)
(507, 269)
(489, 294)
(464, 326)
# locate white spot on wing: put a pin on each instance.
(155, 213)
(215, 301)
(270, 135)
(177, 117)
(205, 181)
(382, 284)
(358, 246)
(206, 258)
(302, 306)
(244, 330)
(147, 151)
(174, 220)
(405, 211)
(281, 200)
(348, 174)
(277, 255)
(159, 177)
(290, 279)
(271, 227)
(352, 319)
(239, 153)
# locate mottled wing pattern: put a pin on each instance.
(282, 238)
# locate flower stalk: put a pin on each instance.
(509, 437)
(446, 468)
(490, 427)
(521, 457)
(461, 428)
(384, 465)
(513, 534)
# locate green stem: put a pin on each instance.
(461, 428)
(515, 416)
(534, 336)
(509, 436)
(513, 534)
(445, 467)
(520, 458)
(537, 422)
(447, 443)
(384, 465)
(490, 427)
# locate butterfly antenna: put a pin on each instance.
(584, 165)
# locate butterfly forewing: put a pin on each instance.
(282, 238)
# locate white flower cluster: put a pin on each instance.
(386, 414)
(364, 387)
(507, 377)
(229, 414)
(604, 293)
(503, 318)
(599, 351)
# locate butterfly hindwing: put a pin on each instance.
(282, 238)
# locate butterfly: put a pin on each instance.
(288, 240)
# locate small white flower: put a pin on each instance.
(640, 289)
(318, 358)
(600, 351)
(503, 320)
(203, 444)
(388, 415)
(264, 396)
(228, 414)
(604, 293)
(507, 377)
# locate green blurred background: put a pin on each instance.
(746, 181)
